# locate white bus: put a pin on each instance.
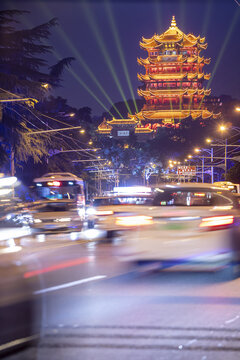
(60, 185)
(61, 202)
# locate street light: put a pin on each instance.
(82, 131)
(208, 140)
(222, 128)
(237, 108)
(189, 156)
(197, 150)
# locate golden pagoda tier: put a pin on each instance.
(172, 85)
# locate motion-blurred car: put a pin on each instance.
(15, 219)
(19, 307)
(57, 215)
(101, 215)
(188, 225)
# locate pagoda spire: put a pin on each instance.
(173, 22)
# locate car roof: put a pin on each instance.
(189, 185)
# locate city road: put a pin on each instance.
(97, 307)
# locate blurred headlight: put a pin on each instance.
(37, 221)
(91, 211)
(140, 220)
(62, 220)
(104, 212)
(5, 191)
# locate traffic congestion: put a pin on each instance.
(191, 227)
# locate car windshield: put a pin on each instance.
(123, 200)
(191, 197)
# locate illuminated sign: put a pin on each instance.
(123, 133)
(186, 170)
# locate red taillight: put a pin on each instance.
(54, 183)
(214, 222)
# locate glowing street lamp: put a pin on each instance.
(222, 128)
(197, 150)
(189, 156)
(90, 142)
(82, 131)
(237, 108)
(208, 140)
(45, 86)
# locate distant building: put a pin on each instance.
(172, 85)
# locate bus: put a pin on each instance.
(61, 202)
(60, 185)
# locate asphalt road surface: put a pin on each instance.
(98, 307)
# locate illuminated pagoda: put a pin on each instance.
(172, 85)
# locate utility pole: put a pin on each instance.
(225, 161)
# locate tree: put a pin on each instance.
(22, 75)
(233, 174)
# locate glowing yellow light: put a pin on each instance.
(90, 142)
(45, 86)
(99, 157)
(208, 140)
(189, 156)
(197, 150)
(72, 114)
(171, 165)
(222, 128)
(175, 162)
(237, 108)
(82, 131)
(185, 160)
(170, 161)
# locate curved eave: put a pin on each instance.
(177, 115)
(122, 122)
(202, 46)
(207, 76)
(143, 61)
(104, 131)
(143, 130)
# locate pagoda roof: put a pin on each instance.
(122, 122)
(158, 60)
(172, 35)
(143, 130)
(104, 128)
(173, 114)
(173, 92)
(176, 76)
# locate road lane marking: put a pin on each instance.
(70, 284)
(232, 320)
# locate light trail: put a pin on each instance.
(70, 284)
(182, 13)
(96, 31)
(120, 51)
(207, 17)
(158, 14)
(224, 45)
(84, 65)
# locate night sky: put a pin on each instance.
(90, 30)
